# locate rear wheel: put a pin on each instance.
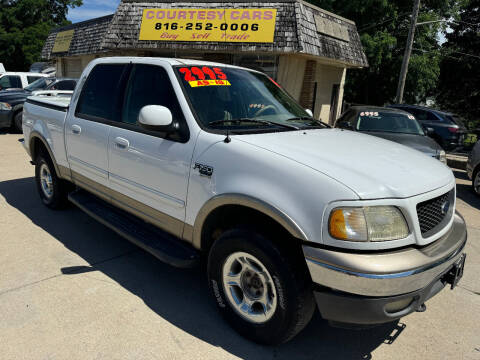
(52, 190)
(264, 293)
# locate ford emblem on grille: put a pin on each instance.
(445, 207)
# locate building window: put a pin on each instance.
(267, 64)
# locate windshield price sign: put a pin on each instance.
(220, 25)
(205, 76)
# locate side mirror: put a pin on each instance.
(156, 118)
(309, 112)
(429, 131)
(345, 125)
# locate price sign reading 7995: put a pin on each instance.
(221, 25)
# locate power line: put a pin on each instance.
(371, 25)
(475, 56)
(439, 53)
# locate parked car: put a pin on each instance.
(44, 68)
(11, 101)
(186, 157)
(391, 124)
(448, 129)
(18, 80)
(473, 168)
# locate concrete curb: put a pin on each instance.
(457, 161)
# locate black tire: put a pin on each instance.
(295, 302)
(17, 122)
(474, 175)
(59, 188)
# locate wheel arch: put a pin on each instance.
(16, 109)
(208, 216)
(38, 144)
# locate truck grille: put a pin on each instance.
(435, 213)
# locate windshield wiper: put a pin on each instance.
(308, 118)
(243, 120)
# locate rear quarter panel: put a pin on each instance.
(48, 123)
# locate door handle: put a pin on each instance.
(76, 129)
(121, 143)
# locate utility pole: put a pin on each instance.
(408, 52)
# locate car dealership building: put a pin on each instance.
(305, 49)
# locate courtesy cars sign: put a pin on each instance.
(221, 25)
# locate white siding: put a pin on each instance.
(290, 74)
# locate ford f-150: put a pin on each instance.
(195, 160)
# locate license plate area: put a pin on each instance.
(456, 272)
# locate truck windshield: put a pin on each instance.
(224, 97)
(388, 122)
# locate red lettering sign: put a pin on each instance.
(201, 74)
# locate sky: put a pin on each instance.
(92, 9)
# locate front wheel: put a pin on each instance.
(17, 122)
(476, 181)
(264, 293)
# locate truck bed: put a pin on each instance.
(46, 115)
(61, 102)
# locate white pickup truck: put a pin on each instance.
(189, 158)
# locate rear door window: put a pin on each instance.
(424, 115)
(10, 81)
(99, 97)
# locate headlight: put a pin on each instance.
(5, 106)
(373, 223)
(442, 157)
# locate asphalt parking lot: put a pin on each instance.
(72, 289)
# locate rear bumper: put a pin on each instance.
(360, 288)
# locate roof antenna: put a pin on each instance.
(227, 139)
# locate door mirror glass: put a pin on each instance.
(155, 117)
(428, 131)
(344, 125)
(309, 112)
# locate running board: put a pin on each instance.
(157, 242)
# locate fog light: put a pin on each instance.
(398, 305)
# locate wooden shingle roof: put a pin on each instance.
(300, 28)
(87, 38)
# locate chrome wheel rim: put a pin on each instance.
(476, 183)
(249, 287)
(46, 181)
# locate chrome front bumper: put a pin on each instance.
(387, 273)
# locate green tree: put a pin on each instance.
(24, 26)
(459, 85)
(383, 26)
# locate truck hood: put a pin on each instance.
(372, 167)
